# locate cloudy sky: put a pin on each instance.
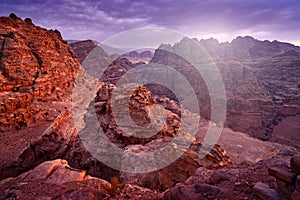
(223, 20)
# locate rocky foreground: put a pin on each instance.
(43, 155)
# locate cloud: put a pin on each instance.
(100, 19)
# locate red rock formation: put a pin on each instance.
(38, 70)
(37, 67)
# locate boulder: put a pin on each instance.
(282, 173)
(264, 192)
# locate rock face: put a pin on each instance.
(37, 67)
(38, 70)
(135, 54)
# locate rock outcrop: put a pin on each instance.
(37, 67)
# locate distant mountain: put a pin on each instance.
(142, 56)
(83, 48)
(262, 82)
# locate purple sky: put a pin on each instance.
(223, 20)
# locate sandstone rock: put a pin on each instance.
(31, 146)
(36, 67)
(140, 105)
(13, 16)
(218, 177)
(136, 57)
(264, 192)
(54, 172)
(276, 67)
(295, 164)
(38, 71)
(44, 170)
(65, 174)
(283, 173)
